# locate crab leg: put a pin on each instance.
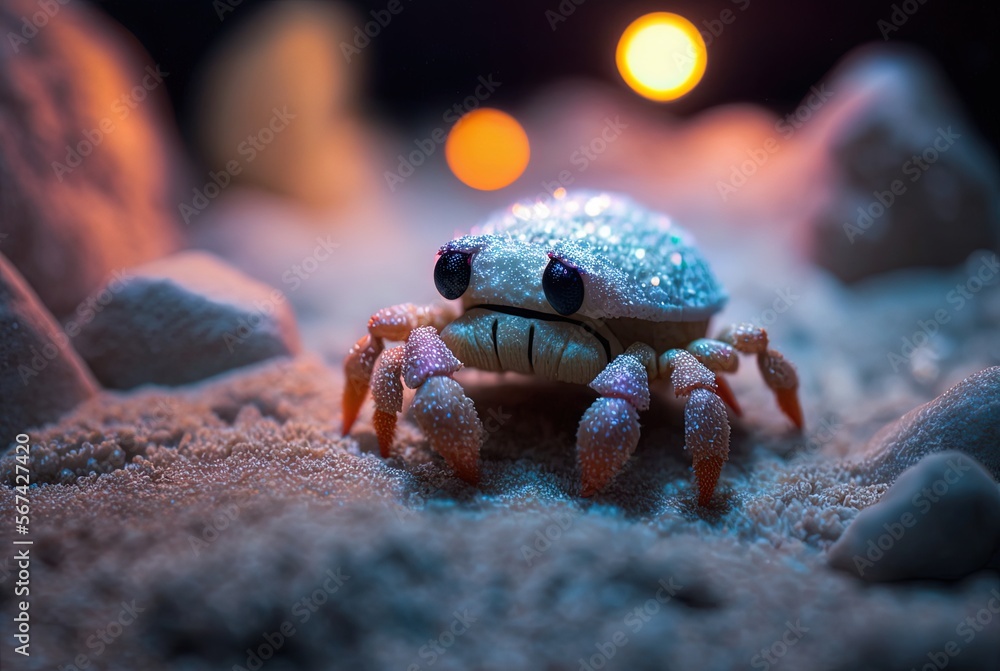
(718, 357)
(779, 375)
(706, 426)
(387, 391)
(358, 366)
(442, 410)
(392, 323)
(609, 429)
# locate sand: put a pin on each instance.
(230, 515)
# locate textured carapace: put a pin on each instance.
(634, 262)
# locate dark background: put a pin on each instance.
(431, 51)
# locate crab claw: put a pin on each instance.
(609, 430)
(449, 420)
(606, 438)
(358, 368)
(706, 434)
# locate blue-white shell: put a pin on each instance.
(634, 262)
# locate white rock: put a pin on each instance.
(182, 319)
(41, 377)
(940, 520)
(891, 122)
(86, 163)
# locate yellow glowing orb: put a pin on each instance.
(661, 56)
(487, 149)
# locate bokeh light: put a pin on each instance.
(661, 56)
(487, 149)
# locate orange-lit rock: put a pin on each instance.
(85, 158)
(275, 106)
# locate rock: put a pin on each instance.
(182, 319)
(913, 184)
(85, 161)
(964, 418)
(41, 377)
(275, 108)
(940, 520)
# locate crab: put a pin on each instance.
(590, 288)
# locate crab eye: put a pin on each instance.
(563, 287)
(452, 273)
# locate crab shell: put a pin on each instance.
(644, 281)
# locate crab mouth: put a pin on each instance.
(526, 313)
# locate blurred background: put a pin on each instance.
(329, 148)
(774, 51)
